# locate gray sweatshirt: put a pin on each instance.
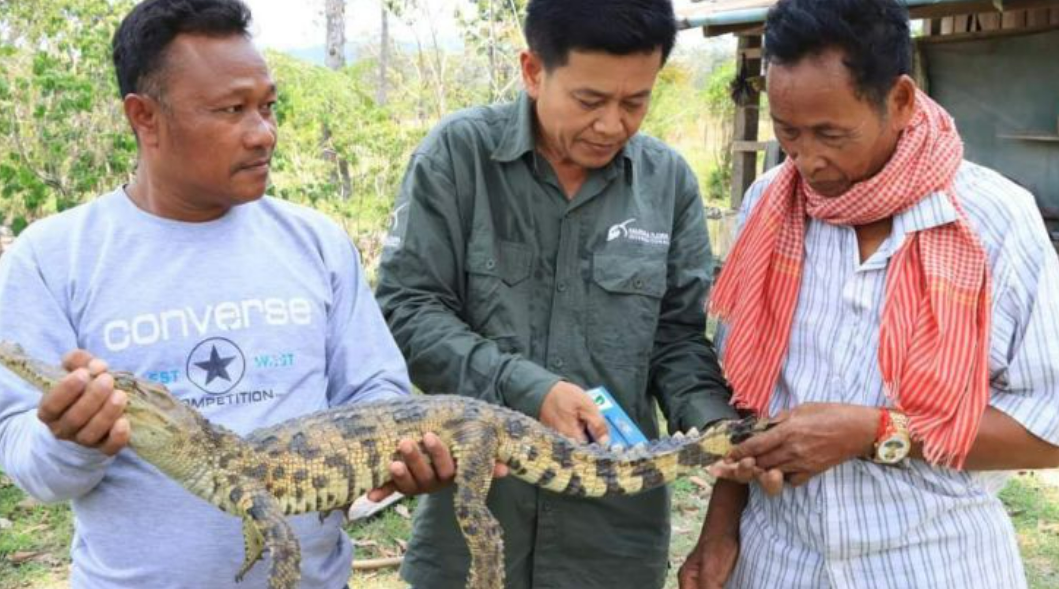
(255, 318)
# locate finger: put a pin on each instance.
(418, 467)
(798, 479)
(597, 428)
(119, 437)
(56, 401)
(500, 470)
(759, 444)
(99, 426)
(376, 495)
(729, 471)
(401, 478)
(76, 359)
(97, 366)
(85, 407)
(781, 458)
(444, 465)
(771, 481)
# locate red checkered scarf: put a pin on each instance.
(934, 338)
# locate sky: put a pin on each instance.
(284, 25)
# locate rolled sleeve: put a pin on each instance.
(1025, 355)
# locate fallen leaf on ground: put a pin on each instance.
(22, 556)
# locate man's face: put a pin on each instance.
(834, 137)
(216, 130)
(589, 108)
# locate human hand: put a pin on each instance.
(570, 411)
(84, 408)
(746, 470)
(811, 439)
(415, 473)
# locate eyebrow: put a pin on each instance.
(598, 94)
(820, 127)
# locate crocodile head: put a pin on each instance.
(157, 418)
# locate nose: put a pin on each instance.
(609, 123)
(808, 159)
(261, 133)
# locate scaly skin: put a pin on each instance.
(325, 460)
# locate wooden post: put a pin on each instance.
(747, 111)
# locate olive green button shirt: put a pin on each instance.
(496, 286)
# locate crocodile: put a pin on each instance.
(323, 461)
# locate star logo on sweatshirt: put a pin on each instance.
(216, 365)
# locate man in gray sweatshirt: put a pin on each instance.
(248, 308)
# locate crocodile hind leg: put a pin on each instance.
(265, 528)
(475, 453)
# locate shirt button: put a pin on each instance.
(638, 283)
(558, 363)
(490, 264)
(561, 287)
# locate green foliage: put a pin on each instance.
(61, 135)
(371, 139)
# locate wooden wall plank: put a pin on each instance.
(744, 164)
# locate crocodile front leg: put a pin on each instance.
(265, 528)
(475, 452)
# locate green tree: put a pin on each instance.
(62, 135)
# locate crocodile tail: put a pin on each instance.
(554, 462)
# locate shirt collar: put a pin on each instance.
(933, 211)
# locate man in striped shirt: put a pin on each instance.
(895, 309)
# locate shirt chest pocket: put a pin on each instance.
(497, 291)
(625, 298)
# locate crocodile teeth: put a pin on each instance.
(693, 433)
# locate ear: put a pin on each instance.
(143, 114)
(902, 102)
(532, 72)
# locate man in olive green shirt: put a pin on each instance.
(543, 247)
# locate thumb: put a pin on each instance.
(597, 426)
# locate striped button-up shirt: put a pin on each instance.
(913, 526)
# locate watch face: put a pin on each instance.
(893, 450)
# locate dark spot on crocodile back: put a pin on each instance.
(532, 453)
(575, 487)
(340, 463)
(652, 477)
(516, 428)
(235, 495)
(607, 473)
(319, 482)
(693, 455)
(256, 471)
(563, 453)
(301, 475)
(546, 477)
(301, 445)
(371, 450)
(409, 413)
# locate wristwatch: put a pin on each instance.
(892, 440)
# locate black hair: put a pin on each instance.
(873, 36)
(554, 28)
(140, 43)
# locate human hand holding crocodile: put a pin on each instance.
(83, 406)
(811, 439)
(416, 474)
(571, 412)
